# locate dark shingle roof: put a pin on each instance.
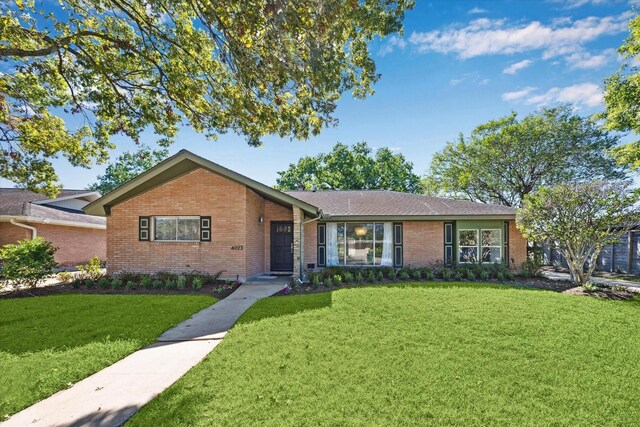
(393, 203)
(18, 202)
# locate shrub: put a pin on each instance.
(592, 287)
(471, 275)
(500, 276)
(28, 262)
(146, 282)
(196, 283)
(446, 274)
(157, 284)
(530, 268)
(116, 283)
(316, 280)
(90, 284)
(429, 275)
(392, 274)
(359, 278)
(65, 277)
(170, 284)
(104, 283)
(371, 276)
(459, 275)
(417, 274)
(132, 285)
(404, 276)
(619, 288)
(181, 283)
(92, 270)
(328, 282)
(76, 284)
(484, 275)
(380, 276)
(337, 279)
(348, 277)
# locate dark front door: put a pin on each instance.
(282, 246)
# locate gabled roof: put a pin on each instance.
(377, 203)
(22, 204)
(178, 165)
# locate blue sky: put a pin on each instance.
(458, 64)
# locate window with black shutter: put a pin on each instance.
(144, 228)
(449, 232)
(205, 228)
(322, 245)
(397, 245)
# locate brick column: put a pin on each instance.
(298, 242)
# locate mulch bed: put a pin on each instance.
(602, 294)
(67, 288)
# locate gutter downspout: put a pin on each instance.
(34, 231)
(301, 249)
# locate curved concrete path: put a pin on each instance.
(111, 396)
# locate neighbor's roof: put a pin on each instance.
(24, 203)
(373, 203)
(178, 165)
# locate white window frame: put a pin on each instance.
(153, 227)
(342, 261)
(477, 246)
(500, 246)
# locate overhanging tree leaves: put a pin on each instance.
(351, 168)
(504, 160)
(122, 66)
(580, 219)
(127, 166)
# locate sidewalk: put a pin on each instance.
(631, 286)
(111, 396)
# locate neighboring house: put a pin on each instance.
(188, 213)
(78, 236)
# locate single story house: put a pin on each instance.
(78, 236)
(188, 213)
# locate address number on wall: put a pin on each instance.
(237, 248)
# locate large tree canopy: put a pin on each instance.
(122, 66)
(351, 168)
(127, 166)
(503, 160)
(622, 97)
(580, 219)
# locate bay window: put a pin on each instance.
(356, 244)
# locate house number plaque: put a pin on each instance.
(237, 248)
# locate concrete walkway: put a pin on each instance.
(111, 396)
(557, 276)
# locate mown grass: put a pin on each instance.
(416, 355)
(48, 343)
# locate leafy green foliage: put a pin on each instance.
(504, 160)
(90, 271)
(196, 283)
(126, 167)
(580, 218)
(121, 67)
(351, 168)
(28, 262)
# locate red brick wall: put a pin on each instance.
(517, 246)
(272, 212)
(75, 245)
(200, 193)
(310, 243)
(423, 242)
(254, 248)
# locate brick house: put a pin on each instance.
(78, 236)
(188, 213)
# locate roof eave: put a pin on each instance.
(329, 217)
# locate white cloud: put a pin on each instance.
(455, 82)
(588, 94)
(586, 61)
(498, 37)
(393, 42)
(514, 68)
(518, 94)
(471, 78)
(573, 4)
(477, 11)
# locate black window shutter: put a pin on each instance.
(322, 245)
(144, 228)
(205, 228)
(449, 233)
(505, 236)
(397, 244)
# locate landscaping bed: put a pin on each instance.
(449, 354)
(48, 343)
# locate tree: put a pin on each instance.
(622, 98)
(351, 168)
(82, 71)
(28, 262)
(127, 166)
(579, 218)
(504, 160)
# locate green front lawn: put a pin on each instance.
(48, 343)
(416, 355)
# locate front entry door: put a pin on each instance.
(282, 246)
